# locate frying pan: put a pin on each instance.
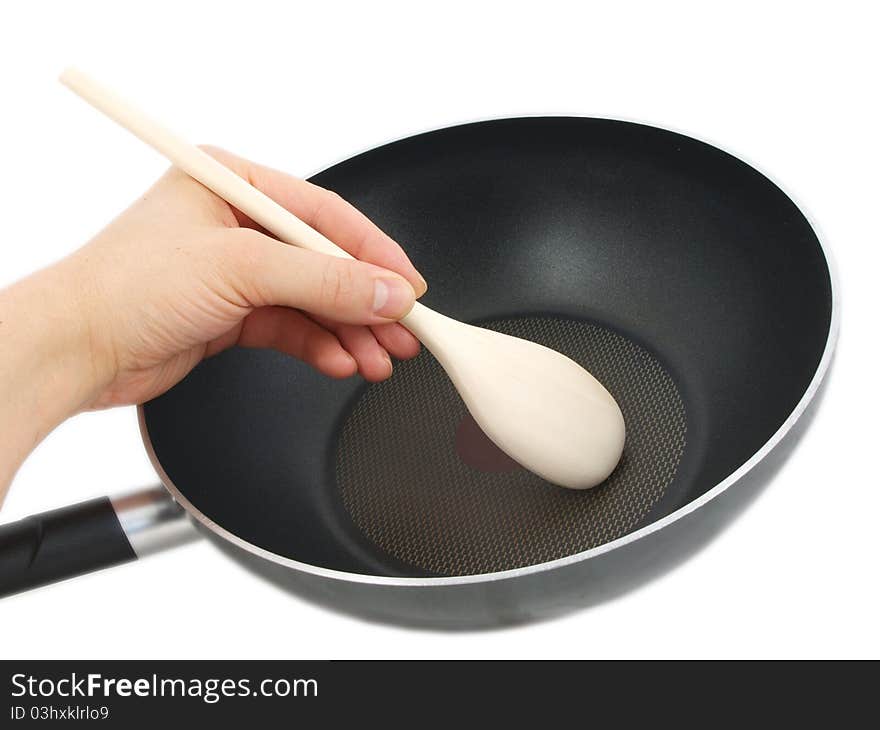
(684, 279)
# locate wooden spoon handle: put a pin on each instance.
(201, 166)
(215, 176)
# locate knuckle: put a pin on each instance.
(317, 343)
(332, 198)
(234, 256)
(327, 204)
(337, 284)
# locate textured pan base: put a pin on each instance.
(404, 484)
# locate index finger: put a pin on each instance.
(326, 212)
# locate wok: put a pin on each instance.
(685, 280)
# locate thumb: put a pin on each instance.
(267, 272)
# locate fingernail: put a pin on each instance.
(387, 358)
(392, 298)
(423, 285)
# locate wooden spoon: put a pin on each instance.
(541, 408)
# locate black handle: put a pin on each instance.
(61, 544)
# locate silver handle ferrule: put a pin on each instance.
(152, 520)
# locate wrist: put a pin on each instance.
(66, 335)
(47, 371)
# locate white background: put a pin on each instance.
(790, 87)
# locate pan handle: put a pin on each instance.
(83, 537)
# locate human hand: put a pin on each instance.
(180, 276)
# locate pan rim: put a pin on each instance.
(414, 582)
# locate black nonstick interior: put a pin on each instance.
(440, 496)
(685, 279)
